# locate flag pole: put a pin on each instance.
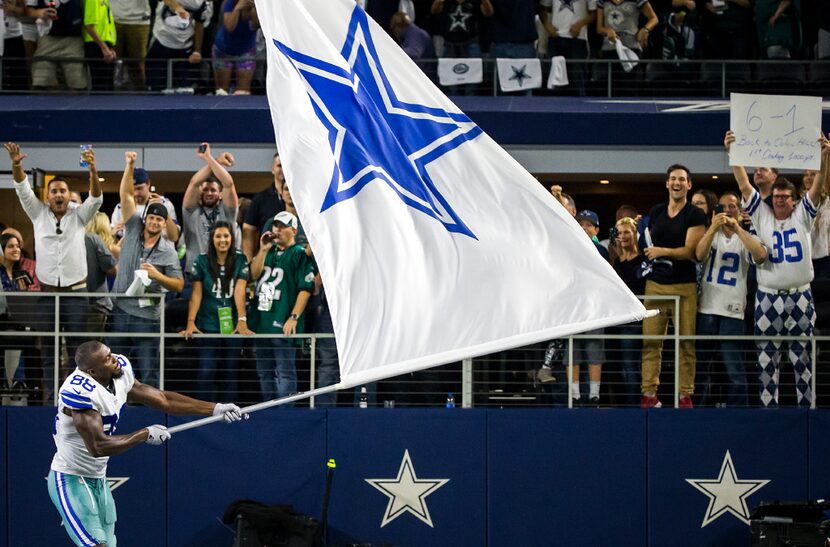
(257, 407)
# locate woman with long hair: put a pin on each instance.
(100, 226)
(629, 262)
(13, 315)
(217, 306)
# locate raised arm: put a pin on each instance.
(738, 170)
(28, 200)
(94, 179)
(17, 157)
(705, 243)
(91, 428)
(820, 190)
(125, 191)
(169, 401)
(250, 235)
(258, 263)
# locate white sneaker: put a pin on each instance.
(221, 92)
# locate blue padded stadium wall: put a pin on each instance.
(443, 477)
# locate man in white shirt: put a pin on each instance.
(784, 302)
(724, 250)
(91, 402)
(566, 23)
(59, 246)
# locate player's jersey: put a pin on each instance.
(723, 285)
(81, 392)
(788, 243)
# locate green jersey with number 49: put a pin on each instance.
(216, 295)
(285, 273)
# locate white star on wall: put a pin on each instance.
(727, 494)
(407, 493)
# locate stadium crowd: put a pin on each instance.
(127, 44)
(227, 265)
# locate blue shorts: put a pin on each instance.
(86, 507)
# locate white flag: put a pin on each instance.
(433, 243)
(519, 74)
(460, 71)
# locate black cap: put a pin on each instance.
(156, 209)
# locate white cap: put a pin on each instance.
(286, 218)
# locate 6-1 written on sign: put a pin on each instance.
(778, 131)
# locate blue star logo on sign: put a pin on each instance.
(373, 135)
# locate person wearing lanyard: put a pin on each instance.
(143, 250)
(59, 246)
(210, 197)
(217, 306)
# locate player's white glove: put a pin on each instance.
(229, 411)
(158, 434)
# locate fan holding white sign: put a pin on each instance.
(778, 131)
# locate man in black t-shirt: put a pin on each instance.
(264, 206)
(675, 228)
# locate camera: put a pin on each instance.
(613, 233)
(202, 148)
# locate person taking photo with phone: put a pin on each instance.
(724, 250)
(285, 280)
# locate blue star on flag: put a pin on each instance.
(373, 135)
(519, 74)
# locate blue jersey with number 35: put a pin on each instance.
(789, 261)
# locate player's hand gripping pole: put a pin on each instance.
(256, 407)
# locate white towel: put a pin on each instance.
(460, 71)
(140, 282)
(627, 55)
(558, 72)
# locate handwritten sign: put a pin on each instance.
(775, 131)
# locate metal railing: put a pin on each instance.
(505, 379)
(588, 77)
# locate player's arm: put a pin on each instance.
(91, 428)
(738, 170)
(169, 401)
